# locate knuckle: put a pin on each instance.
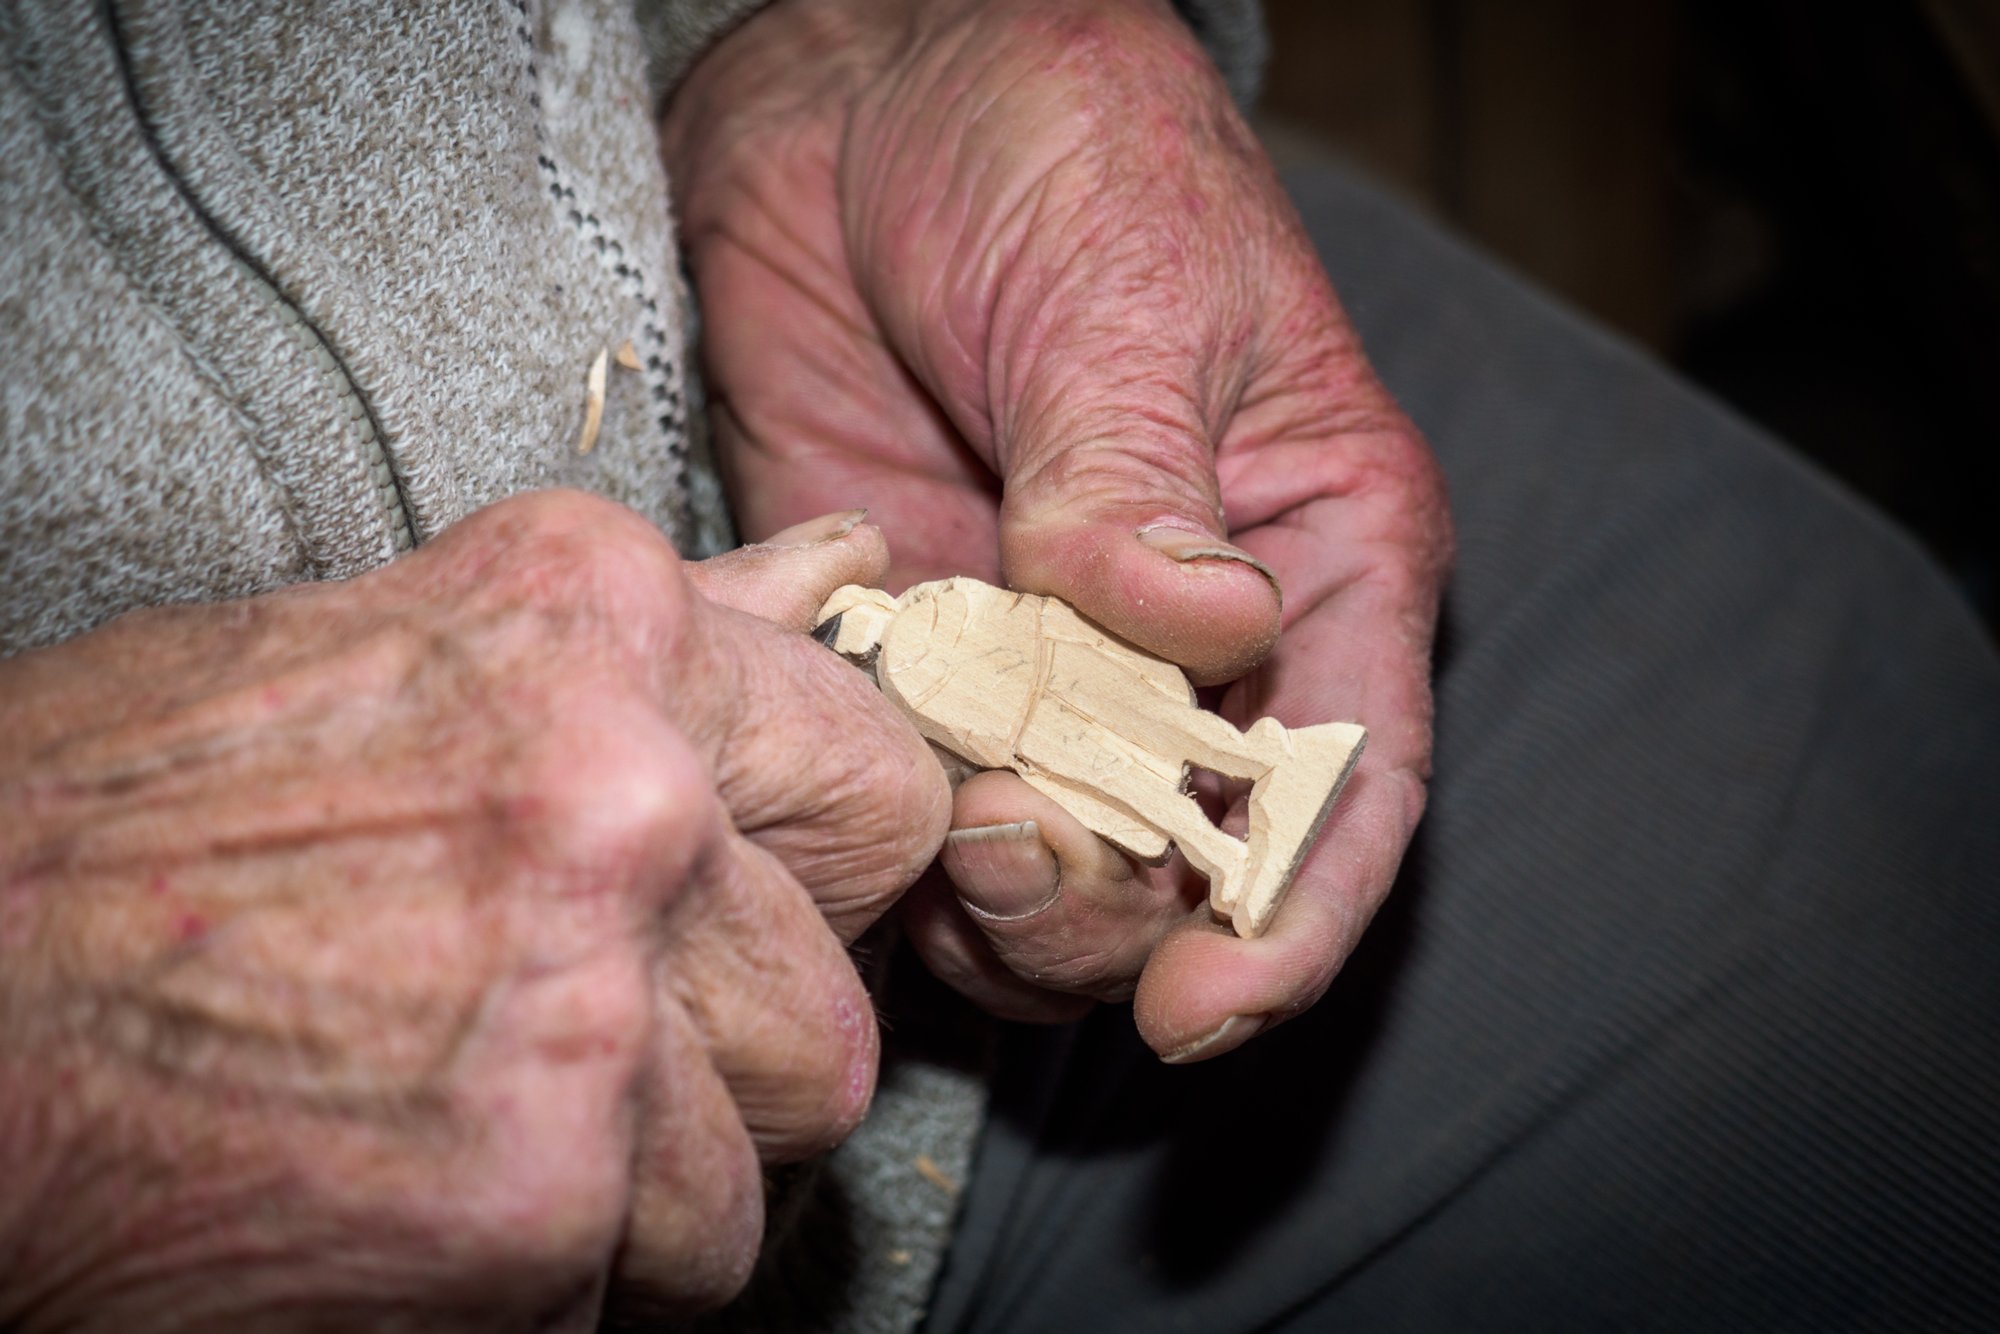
(1394, 461)
(857, 1050)
(692, 1243)
(564, 549)
(917, 793)
(824, 1090)
(546, 1228)
(610, 795)
(886, 787)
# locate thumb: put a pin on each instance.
(788, 576)
(1125, 525)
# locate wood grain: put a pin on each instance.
(1107, 731)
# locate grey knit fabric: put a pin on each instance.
(855, 1241)
(678, 31)
(294, 288)
(154, 384)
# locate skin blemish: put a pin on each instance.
(17, 927)
(159, 884)
(860, 1083)
(518, 808)
(852, 1018)
(190, 927)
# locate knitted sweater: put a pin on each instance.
(290, 289)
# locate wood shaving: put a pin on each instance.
(593, 403)
(931, 1172)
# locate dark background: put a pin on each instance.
(1795, 204)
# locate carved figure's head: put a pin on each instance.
(854, 620)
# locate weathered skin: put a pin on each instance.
(1016, 276)
(395, 953)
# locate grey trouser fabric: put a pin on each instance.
(1685, 1014)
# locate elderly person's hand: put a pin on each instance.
(1014, 274)
(443, 948)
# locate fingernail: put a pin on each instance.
(1183, 545)
(826, 528)
(1016, 874)
(1236, 1030)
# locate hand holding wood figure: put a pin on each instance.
(1107, 731)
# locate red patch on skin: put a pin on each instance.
(860, 1083)
(191, 926)
(16, 921)
(159, 884)
(274, 698)
(852, 1019)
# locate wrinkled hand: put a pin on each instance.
(1015, 276)
(441, 948)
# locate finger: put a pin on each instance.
(1353, 656)
(1127, 529)
(697, 1211)
(1058, 905)
(617, 798)
(781, 1012)
(788, 576)
(1205, 991)
(1366, 544)
(814, 765)
(809, 407)
(1334, 489)
(552, 1060)
(1108, 448)
(943, 519)
(1104, 337)
(958, 953)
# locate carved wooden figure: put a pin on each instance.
(1106, 730)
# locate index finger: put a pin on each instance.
(809, 759)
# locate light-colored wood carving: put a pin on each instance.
(1107, 731)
